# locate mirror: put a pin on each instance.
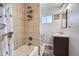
(64, 19)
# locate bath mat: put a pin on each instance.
(48, 51)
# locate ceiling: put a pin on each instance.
(50, 8)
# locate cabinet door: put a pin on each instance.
(60, 46)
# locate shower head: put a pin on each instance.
(2, 26)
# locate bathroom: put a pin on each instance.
(24, 33)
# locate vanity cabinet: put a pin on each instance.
(61, 46)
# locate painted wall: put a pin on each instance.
(73, 22)
(49, 29)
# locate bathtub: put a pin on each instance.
(25, 50)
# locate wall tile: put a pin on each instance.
(18, 24)
(33, 25)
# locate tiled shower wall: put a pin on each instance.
(32, 27)
(18, 24)
(23, 29)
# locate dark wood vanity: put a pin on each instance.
(61, 46)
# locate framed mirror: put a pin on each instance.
(64, 22)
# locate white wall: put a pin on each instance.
(48, 30)
(73, 21)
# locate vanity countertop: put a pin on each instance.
(61, 34)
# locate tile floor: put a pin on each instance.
(48, 51)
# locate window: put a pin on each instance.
(49, 19)
(46, 19)
(43, 20)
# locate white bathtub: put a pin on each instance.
(25, 50)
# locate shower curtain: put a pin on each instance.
(6, 44)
